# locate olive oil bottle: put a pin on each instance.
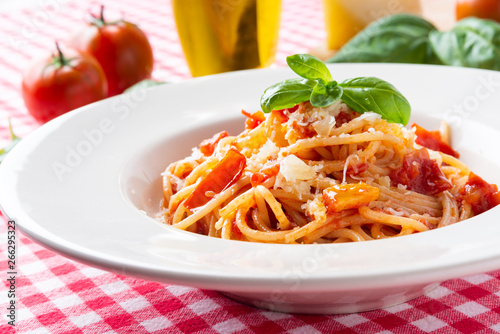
(227, 35)
(345, 18)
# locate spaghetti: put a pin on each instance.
(321, 175)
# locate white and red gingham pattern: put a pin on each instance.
(57, 295)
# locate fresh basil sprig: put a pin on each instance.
(317, 86)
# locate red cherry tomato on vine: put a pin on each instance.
(122, 49)
(55, 85)
(486, 9)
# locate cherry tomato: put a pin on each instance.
(55, 85)
(122, 49)
(486, 9)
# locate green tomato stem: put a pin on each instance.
(59, 60)
(97, 21)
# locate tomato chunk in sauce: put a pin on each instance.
(207, 146)
(433, 140)
(421, 174)
(253, 120)
(224, 174)
(480, 194)
(264, 174)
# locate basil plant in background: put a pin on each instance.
(405, 38)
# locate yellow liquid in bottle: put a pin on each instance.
(345, 18)
(340, 24)
(227, 35)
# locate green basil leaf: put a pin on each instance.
(472, 42)
(14, 140)
(373, 94)
(325, 95)
(400, 38)
(286, 94)
(309, 67)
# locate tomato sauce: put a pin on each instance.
(264, 174)
(207, 146)
(356, 169)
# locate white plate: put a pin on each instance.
(78, 184)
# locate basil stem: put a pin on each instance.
(325, 95)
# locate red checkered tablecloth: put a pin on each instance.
(57, 295)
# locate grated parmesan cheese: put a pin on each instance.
(179, 183)
(324, 126)
(292, 169)
(295, 176)
(385, 181)
(268, 151)
(196, 153)
(370, 116)
(297, 187)
(408, 133)
(402, 186)
(321, 119)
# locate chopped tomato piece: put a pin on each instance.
(281, 113)
(349, 196)
(421, 174)
(264, 174)
(254, 119)
(480, 194)
(207, 147)
(224, 174)
(344, 117)
(304, 131)
(356, 169)
(433, 140)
